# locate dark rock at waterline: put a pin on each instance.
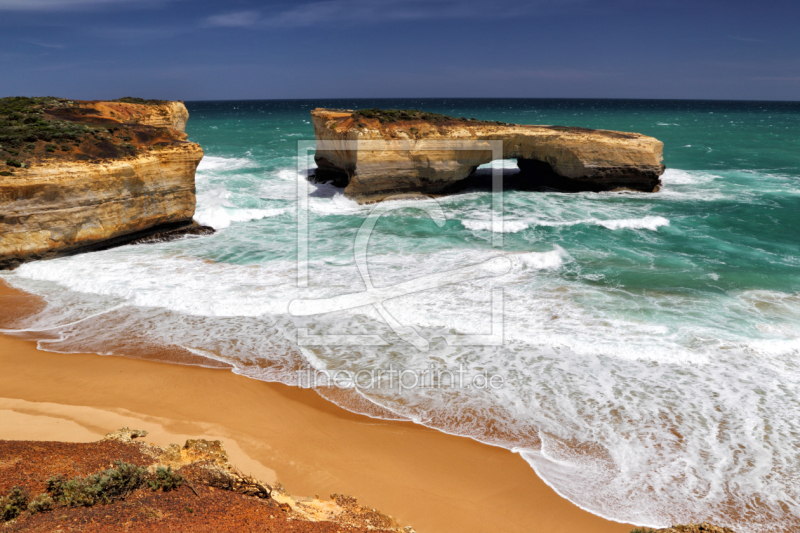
(173, 234)
(686, 528)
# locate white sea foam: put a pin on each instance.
(776, 347)
(180, 284)
(506, 226)
(220, 217)
(675, 176)
(651, 223)
(287, 174)
(216, 208)
(338, 204)
(542, 260)
(212, 164)
(699, 186)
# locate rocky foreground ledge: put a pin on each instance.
(122, 483)
(79, 176)
(554, 157)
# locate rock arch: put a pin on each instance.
(564, 158)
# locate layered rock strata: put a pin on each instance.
(557, 157)
(80, 176)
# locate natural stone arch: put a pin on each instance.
(565, 158)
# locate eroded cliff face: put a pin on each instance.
(173, 115)
(52, 209)
(564, 158)
(127, 174)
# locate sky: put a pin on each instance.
(245, 49)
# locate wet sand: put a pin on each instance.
(426, 479)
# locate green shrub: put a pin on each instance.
(23, 120)
(14, 163)
(41, 503)
(50, 148)
(6, 173)
(165, 479)
(105, 487)
(393, 115)
(13, 504)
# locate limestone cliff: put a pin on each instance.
(157, 113)
(86, 175)
(563, 158)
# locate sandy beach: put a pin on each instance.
(432, 481)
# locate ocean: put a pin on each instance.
(649, 365)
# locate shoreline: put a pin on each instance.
(429, 480)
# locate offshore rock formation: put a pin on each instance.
(78, 176)
(562, 158)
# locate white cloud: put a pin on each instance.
(47, 45)
(376, 11)
(366, 11)
(236, 19)
(60, 5)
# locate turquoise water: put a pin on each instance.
(651, 341)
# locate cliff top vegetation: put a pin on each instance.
(44, 128)
(135, 100)
(396, 115)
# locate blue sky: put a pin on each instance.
(241, 49)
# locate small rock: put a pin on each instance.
(126, 434)
(205, 449)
